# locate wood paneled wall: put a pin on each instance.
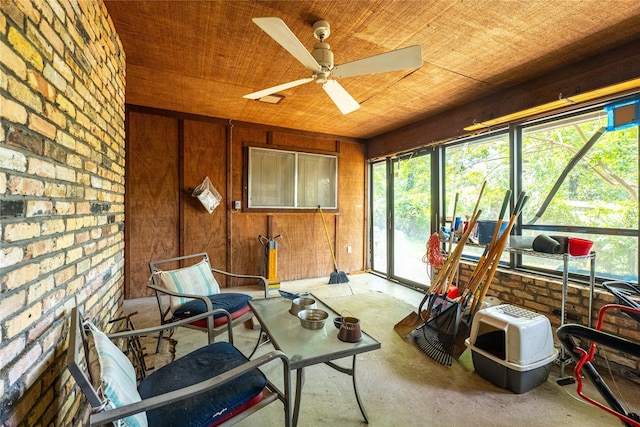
(169, 153)
(204, 153)
(151, 196)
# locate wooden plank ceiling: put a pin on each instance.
(201, 57)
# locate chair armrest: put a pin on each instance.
(187, 392)
(205, 299)
(148, 331)
(263, 279)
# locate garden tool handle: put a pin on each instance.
(326, 231)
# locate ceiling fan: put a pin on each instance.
(320, 62)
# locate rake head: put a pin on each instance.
(428, 340)
(437, 337)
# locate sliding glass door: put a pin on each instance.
(379, 217)
(401, 220)
(411, 217)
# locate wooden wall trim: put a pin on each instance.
(229, 198)
(272, 146)
(181, 187)
(616, 66)
(225, 121)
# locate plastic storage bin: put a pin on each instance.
(486, 229)
(512, 347)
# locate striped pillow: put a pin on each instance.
(196, 279)
(118, 376)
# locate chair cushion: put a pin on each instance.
(209, 407)
(196, 279)
(234, 303)
(117, 375)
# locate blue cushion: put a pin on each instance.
(200, 365)
(229, 301)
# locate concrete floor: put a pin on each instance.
(399, 385)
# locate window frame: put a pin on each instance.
(517, 260)
(295, 184)
(514, 134)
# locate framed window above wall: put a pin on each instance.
(280, 179)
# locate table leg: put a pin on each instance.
(296, 405)
(352, 373)
(355, 389)
(262, 339)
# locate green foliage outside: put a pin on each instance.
(600, 191)
(412, 197)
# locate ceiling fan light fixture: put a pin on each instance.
(271, 99)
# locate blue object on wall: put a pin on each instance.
(623, 115)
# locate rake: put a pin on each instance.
(437, 337)
(431, 337)
(428, 336)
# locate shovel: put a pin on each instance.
(413, 320)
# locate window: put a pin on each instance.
(467, 166)
(583, 181)
(285, 179)
(578, 169)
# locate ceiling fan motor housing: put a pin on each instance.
(323, 55)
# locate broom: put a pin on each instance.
(337, 276)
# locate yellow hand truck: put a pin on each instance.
(270, 267)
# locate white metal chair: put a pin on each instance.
(213, 385)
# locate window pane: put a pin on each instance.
(599, 190)
(578, 175)
(316, 181)
(379, 206)
(271, 178)
(411, 217)
(467, 166)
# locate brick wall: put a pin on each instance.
(61, 195)
(544, 295)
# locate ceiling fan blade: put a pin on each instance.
(279, 88)
(279, 31)
(400, 59)
(340, 97)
